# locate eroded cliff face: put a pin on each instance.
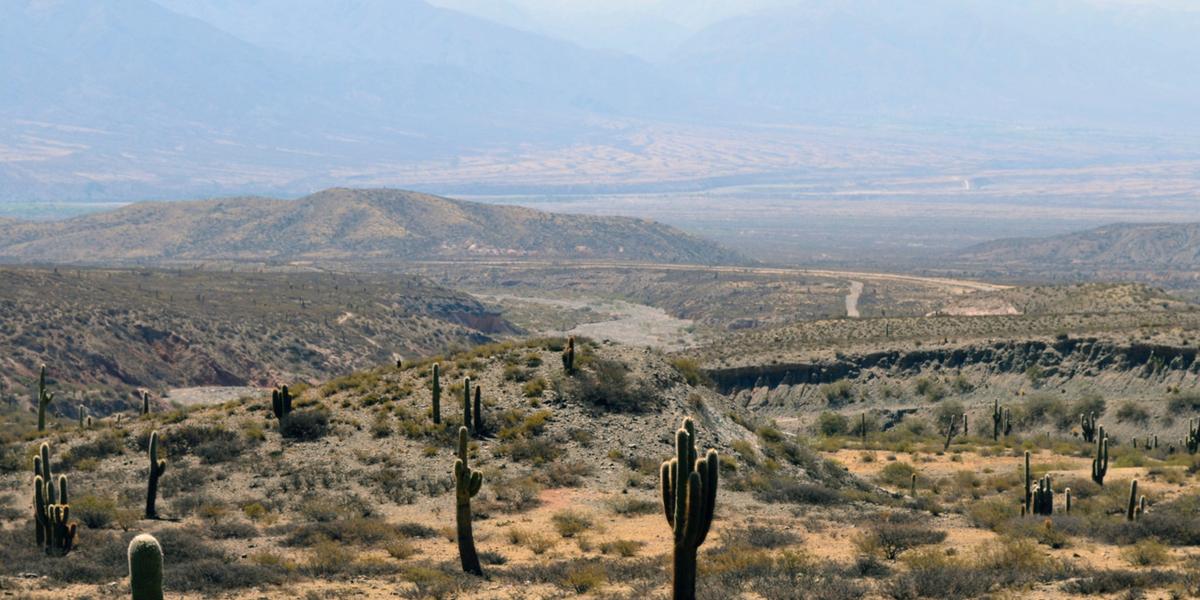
(1063, 358)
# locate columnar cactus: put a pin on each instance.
(966, 428)
(467, 483)
(1131, 508)
(1007, 422)
(1043, 497)
(60, 531)
(1100, 463)
(1192, 441)
(689, 496)
(950, 431)
(437, 394)
(145, 402)
(281, 403)
(40, 525)
(1027, 499)
(477, 423)
(1141, 510)
(466, 404)
(568, 356)
(1067, 499)
(44, 399)
(1087, 424)
(862, 428)
(997, 419)
(912, 486)
(84, 419)
(145, 568)
(156, 470)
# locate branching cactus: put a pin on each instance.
(466, 403)
(281, 403)
(689, 496)
(60, 530)
(1132, 507)
(478, 414)
(1043, 497)
(1087, 424)
(145, 568)
(156, 470)
(44, 399)
(568, 356)
(1100, 463)
(437, 394)
(467, 483)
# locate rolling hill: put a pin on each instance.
(1134, 246)
(346, 226)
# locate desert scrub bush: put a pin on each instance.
(1130, 412)
(897, 474)
(931, 389)
(534, 388)
(894, 534)
(630, 506)
(838, 393)
(569, 523)
(1183, 403)
(305, 426)
(830, 423)
(1104, 582)
(784, 489)
(535, 542)
(106, 445)
(561, 474)
(1147, 553)
(585, 578)
(330, 558)
(689, 368)
(516, 494)
(357, 531)
(94, 511)
(731, 571)
(605, 384)
(755, 536)
(950, 410)
(622, 548)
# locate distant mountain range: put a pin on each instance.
(1131, 246)
(345, 226)
(137, 99)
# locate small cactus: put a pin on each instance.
(44, 399)
(997, 419)
(60, 536)
(568, 356)
(145, 568)
(1067, 500)
(689, 496)
(1043, 497)
(467, 483)
(966, 428)
(1100, 463)
(156, 470)
(84, 419)
(950, 431)
(1192, 441)
(145, 402)
(912, 487)
(1027, 499)
(437, 394)
(281, 403)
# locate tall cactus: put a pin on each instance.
(997, 419)
(466, 404)
(1067, 500)
(1192, 441)
(156, 470)
(437, 394)
(145, 402)
(281, 403)
(60, 535)
(1131, 508)
(467, 483)
(689, 496)
(1007, 422)
(477, 423)
(966, 428)
(568, 356)
(40, 524)
(1087, 424)
(145, 568)
(950, 431)
(1043, 497)
(1100, 463)
(1028, 497)
(44, 399)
